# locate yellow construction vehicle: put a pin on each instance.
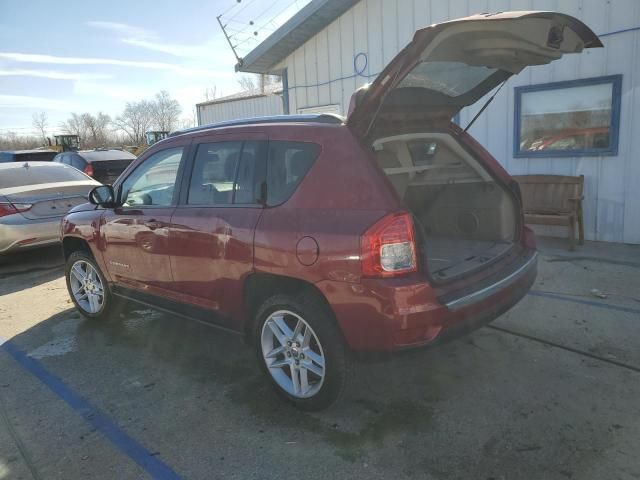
(65, 143)
(151, 137)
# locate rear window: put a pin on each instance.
(288, 164)
(449, 78)
(39, 174)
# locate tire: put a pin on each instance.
(79, 262)
(318, 342)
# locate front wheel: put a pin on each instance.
(87, 286)
(302, 351)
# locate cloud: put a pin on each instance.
(177, 50)
(58, 60)
(121, 28)
(52, 74)
(25, 101)
(114, 91)
(149, 40)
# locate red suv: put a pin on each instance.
(316, 236)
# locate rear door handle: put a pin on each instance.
(153, 224)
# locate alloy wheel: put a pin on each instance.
(86, 286)
(293, 354)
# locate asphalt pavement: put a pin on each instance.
(550, 390)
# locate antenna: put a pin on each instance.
(228, 40)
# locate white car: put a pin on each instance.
(34, 196)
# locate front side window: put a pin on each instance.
(153, 182)
(288, 164)
(573, 118)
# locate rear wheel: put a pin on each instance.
(302, 351)
(87, 286)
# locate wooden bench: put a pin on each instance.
(554, 200)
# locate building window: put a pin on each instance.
(568, 119)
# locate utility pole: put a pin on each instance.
(228, 40)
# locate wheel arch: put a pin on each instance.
(72, 244)
(258, 287)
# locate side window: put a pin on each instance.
(251, 172)
(60, 158)
(226, 173)
(214, 171)
(153, 182)
(78, 162)
(288, 163)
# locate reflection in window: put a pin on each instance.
(226, 173)
(153, 181)
(568, 119)
(214, 171)
(450, 78)
(288, 164)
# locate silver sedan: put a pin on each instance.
(34, 196)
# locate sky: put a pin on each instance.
(89, 56)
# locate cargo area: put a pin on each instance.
(463, 218)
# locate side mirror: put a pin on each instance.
(103, 196)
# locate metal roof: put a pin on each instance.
(312, 18)
(273, 89)
(325, 118)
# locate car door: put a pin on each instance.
(135, 235)
(211, 233)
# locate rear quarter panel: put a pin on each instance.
(339, 198)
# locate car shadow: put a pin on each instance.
(30, 268)
(487, 394)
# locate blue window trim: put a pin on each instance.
(614, 129)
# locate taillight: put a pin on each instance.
(88, 170)
(11, 208)
(388, 248)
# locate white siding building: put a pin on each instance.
(332, 47)
(241, 105)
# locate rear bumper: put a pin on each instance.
(388, 315)
(18, 233)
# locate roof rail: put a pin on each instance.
(327, 118)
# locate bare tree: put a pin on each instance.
(97, 128)
(166, 111)
(12, 141)
(247, 83)
(211, 93)
(40, 123)
(75, 125)
(135, 120)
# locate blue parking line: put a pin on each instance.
(155, 467)
(566, 298)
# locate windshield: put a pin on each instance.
(39, 174)
(449, 78)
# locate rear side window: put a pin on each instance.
(288, 164)
(226, 173)
(77, 162)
